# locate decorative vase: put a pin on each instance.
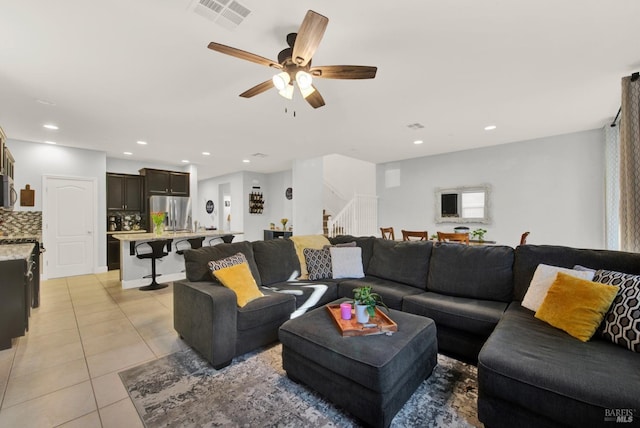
(159, 229)
(362, 316)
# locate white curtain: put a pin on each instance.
(630, 166)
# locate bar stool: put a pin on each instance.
(193, 244)
(227, 239)
(157, 252)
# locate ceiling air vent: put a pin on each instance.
(259, 155)
(415, 126)
(227, 13)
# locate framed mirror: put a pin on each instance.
(466, 204)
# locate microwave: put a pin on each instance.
(8, 194)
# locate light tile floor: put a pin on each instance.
(64, 371)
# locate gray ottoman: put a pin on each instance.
(369, 376)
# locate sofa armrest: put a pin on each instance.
(204, 315)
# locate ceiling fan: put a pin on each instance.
(295, 63)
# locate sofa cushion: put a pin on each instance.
(476, 272)
(471, 315)
(622, 321)
(391, 292)
(364, 242)
(542, 279)
(276, 260)
(531, 365)
(406, 262)
(259, 312)
(301, 242)
(196, 261)
(346, 262)
(528, 257)
(576, 305)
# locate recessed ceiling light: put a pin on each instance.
(490, 128)
(418, 142)
(142, 143)
(206, 153)
(50, 126)
(50, 142)
(185, 161)
(246, 160)
(127, 153)
(46, 102)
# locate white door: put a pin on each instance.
(69, 212)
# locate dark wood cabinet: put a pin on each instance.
(113, 253)
(124, 192)
(14, 301)
(169, 183)
(276, 234)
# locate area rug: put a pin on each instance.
(183, 390)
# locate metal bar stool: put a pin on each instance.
(227, 239)
(157, 252)
(193, 244)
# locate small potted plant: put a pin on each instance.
(479, 234)
(365, 301)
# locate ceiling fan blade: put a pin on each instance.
(248, 56)
(315, 99)
(258, 89)
(344, 72)
(308, 38)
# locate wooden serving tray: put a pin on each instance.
(348, 328)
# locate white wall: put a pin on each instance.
(552, 187)
(307, 196)
(209, 189)
(34, 160)
(278, 205)
(345, 177)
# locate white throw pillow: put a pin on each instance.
(346, 262)
(542, 280)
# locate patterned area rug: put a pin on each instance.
(183, 390)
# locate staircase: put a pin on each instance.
(359, 217)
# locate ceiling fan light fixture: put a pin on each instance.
(304, 80)
(281, 80)
(307, 91)
(287, 92)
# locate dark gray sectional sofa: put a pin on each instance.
(529, 373)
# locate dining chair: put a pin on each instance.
(421, 235)
(387, 233)
(462, 238)
(523, 238)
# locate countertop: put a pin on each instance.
(127, 237)
(34, 236)
(15, 251)
(128, 232)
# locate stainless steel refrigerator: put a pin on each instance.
(177, 211)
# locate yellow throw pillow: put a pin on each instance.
(239, 279)
(301, 242)
(576, 305)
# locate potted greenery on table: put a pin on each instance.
(479, 234)
(365, 301)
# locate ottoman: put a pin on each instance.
(369, 376)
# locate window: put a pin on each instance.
(469, 204)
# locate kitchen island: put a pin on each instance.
(171, 266)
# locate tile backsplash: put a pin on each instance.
(20, 222)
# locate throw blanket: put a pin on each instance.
(311, 301)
